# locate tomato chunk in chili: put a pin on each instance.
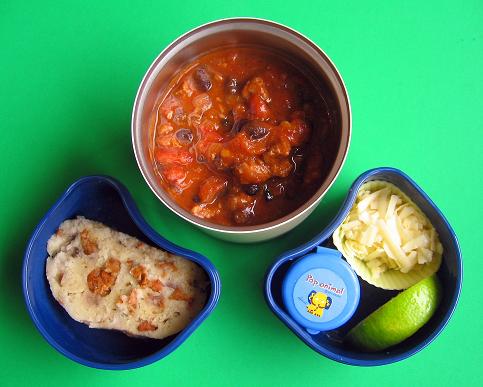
(238, 137)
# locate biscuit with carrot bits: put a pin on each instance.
(107, 279)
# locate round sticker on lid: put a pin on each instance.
(320, 295)
(321, 291)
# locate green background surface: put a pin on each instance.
(69, 72)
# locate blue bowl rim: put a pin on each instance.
(158, 240)
(323, 236)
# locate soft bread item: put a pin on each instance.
(107, 279)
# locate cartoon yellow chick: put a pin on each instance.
(318, 302)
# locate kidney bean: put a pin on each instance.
(250, 189)
(227, 122)
(266, 192)
(255, 130)
(232, 86)
(202, 79)
(184, 136)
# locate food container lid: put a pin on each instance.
(321, 291)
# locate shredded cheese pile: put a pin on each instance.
(387, 231)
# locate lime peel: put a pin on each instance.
(399, 318)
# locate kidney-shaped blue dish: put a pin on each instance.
(331, 343)
(105, 200)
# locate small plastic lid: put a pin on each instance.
(321, 292)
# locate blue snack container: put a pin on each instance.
(330, 342)
(105, 200)
(321, 291)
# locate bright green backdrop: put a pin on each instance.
(68, 76)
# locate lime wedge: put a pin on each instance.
(399, 318)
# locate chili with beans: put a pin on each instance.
(238, 137)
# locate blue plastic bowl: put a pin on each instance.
(105, 200)
(331, 343)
